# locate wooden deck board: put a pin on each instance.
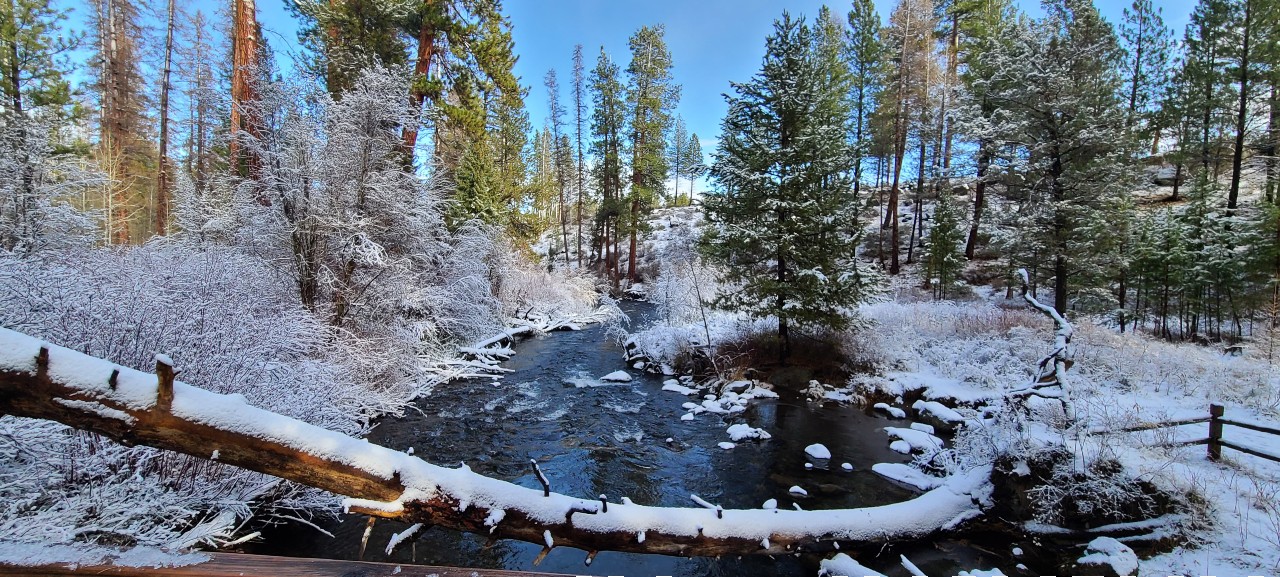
(242, 565)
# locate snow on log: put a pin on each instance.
(1053, 368)
(43, 381)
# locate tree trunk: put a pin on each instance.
(1273, 141)
(417, 92)
(244, 65)
(1242, 113)
(161, 224)
(979, 194)
(136, 408)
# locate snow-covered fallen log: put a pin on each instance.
(39, 380)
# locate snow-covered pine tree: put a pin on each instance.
(944, 247)
(1054, 85)
(781, 212)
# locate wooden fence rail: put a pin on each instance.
(1217, 422)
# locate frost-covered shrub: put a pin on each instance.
(528, 291)
(232, 324)
(35, 188)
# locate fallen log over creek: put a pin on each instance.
(44, 381)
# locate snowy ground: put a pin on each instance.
(973, 351)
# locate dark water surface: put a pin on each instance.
(611, 439)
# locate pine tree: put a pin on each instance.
(1147, 43)
(651, 96)
(34, 51)
(678, 153)
(1208, 42)
(33, 70)
(783, 203)
(1056, 86)
(246, 71)
(981, 26)
(555, 120)
(124, 143)
(909, 39)
(579, 106)
(865, 56)
(161, 216)
(607, 118)
(944, 248)
(694, 166)
(462, 55)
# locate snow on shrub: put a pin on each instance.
(231, 324)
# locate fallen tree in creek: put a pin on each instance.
(44, 381)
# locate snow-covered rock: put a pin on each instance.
(923, 428)
(900, 446)
(770, 504)
(743, 431)
(726, 445)
(1107, 553)
(818, 451)
(919, 440)
(675, 387)
(617, 377)
(797, 490)
(846, 466)
(894, 412)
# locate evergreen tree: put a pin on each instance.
(34, 51)
(1208, 43)
(944, 248)
(651, 96)
(607, 118)
(1147, 44)
(694, 166)
(783, 202)
(865, 56)
(678, 153)
(1055, 85)
(124, 148)
(555, 120)
(909, 39)
(579, 106)
(461, 51)
(36, 98)
(981, 27)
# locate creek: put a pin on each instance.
(592, 438)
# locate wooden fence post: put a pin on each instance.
(1215, 432)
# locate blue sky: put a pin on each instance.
(712, 42)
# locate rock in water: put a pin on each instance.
(617, 377)
(817, 451)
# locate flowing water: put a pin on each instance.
(592, 438)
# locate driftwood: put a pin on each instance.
(1051, 372)
(44, 381)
